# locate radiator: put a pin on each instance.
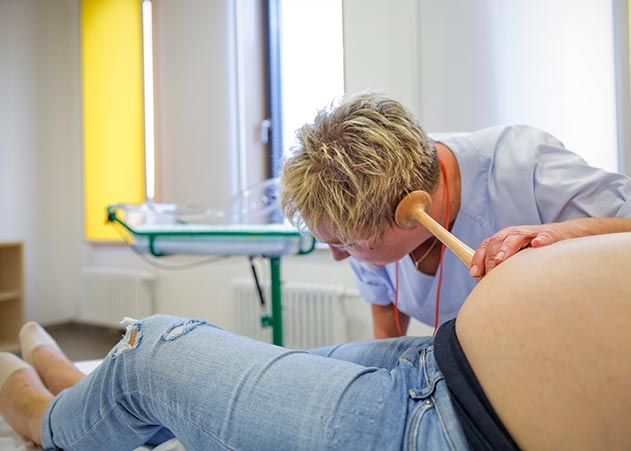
(313, 314)
(110, 294)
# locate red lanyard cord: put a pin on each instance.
(442, 250)
(439, 285)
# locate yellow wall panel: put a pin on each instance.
(113, 146)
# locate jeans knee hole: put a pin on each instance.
(180, 329)
(131, 339)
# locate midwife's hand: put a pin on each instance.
(507, 242)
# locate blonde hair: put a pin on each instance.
(352, 166)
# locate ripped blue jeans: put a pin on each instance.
(213, 389)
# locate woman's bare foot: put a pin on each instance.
(42, 351)
(23, 399)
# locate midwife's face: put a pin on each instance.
(394, 244)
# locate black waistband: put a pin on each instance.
(481, 426)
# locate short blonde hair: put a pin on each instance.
(352, 166)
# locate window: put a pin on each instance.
(307, 65)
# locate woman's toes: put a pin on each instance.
(32, 335)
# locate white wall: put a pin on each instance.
(381, 48)
(40, 188)
(462, 65)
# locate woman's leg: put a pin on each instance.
(57, 372)
(216, 390)
(548, 335)
(42, 351)
(23, 397)
(28, 386)
(52, 369)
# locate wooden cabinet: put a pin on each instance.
(11, 295)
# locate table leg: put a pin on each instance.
(277, 301)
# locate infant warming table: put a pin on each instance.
(158, 231)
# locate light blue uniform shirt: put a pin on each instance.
(514, 175)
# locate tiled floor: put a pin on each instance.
(84, 342)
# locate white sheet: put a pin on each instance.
(11, 441)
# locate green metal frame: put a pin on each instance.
(275, 320)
